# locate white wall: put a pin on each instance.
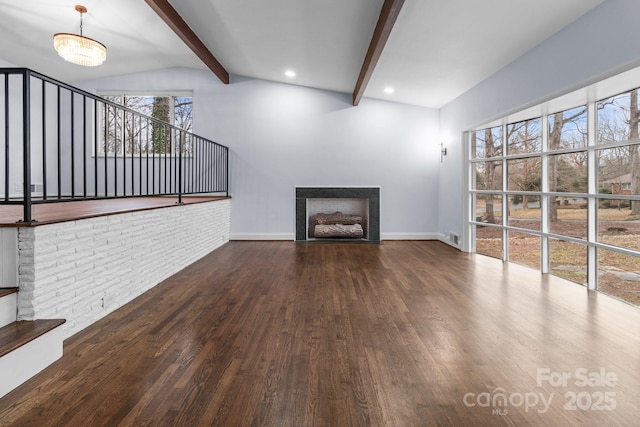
(15, 132)
(600, 44)
(8, 257)
(283, 135)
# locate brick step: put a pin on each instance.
(17, 334)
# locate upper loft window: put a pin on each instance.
(487, 143)
(524, 137)
(618, 131)
(124, 133)
(568, 129)
(618, 118)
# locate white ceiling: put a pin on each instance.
(437, 50)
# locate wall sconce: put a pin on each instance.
(443, 152)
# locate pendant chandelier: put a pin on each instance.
(79, 49)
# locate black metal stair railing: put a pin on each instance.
(61, 143)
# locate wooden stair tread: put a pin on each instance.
(7, 291)
(17, 334)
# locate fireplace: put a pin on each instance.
(363, 202)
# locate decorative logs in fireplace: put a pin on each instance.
(338, 225)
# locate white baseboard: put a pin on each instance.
(291, 236)
(383, 236)
(409, 236)
(262, 236)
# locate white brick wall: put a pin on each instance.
(83, 270)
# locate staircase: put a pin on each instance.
(26, 347)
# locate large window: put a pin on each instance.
(561, 193)
(129, 134)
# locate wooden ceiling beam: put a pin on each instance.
(171, 17)
(388, 15)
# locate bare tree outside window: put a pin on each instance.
(524, 137)
(487, 143)
(618, 121)
(567, 173)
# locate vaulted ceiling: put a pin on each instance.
(436, 50)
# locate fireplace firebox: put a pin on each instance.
(362, 203)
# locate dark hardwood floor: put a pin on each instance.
(397, 334)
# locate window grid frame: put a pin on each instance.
(592, 195)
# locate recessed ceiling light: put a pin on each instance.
(389, 90)
(290, 73)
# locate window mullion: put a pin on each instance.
(469, 234)
(592, 189)
(505, 198)
(544, 201)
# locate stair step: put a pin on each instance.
(26, 348)
(17, 334)
(7, 291)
